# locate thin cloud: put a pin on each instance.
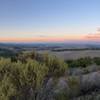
(93, 36)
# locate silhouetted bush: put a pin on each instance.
(82, 62)
(97, 60)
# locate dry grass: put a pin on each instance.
(66, 55)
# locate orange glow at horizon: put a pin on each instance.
(62, 38)
(44, 39)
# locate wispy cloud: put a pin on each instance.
(94, 36)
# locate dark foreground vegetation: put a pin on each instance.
(83, 62)
(33, 76)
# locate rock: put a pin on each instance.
(90, 81)
(61, 85)
(76, 71)
(93, 68)
(46, 92)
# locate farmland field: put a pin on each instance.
(66, 55)
(77, 54)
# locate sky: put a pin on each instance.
(49, 20)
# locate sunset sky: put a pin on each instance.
(49, 20)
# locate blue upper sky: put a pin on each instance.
(41, 18)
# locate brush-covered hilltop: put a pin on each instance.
(49, 71)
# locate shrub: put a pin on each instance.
(20, 80)
(56, 66)
(97, 60)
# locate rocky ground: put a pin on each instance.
(77, 84)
